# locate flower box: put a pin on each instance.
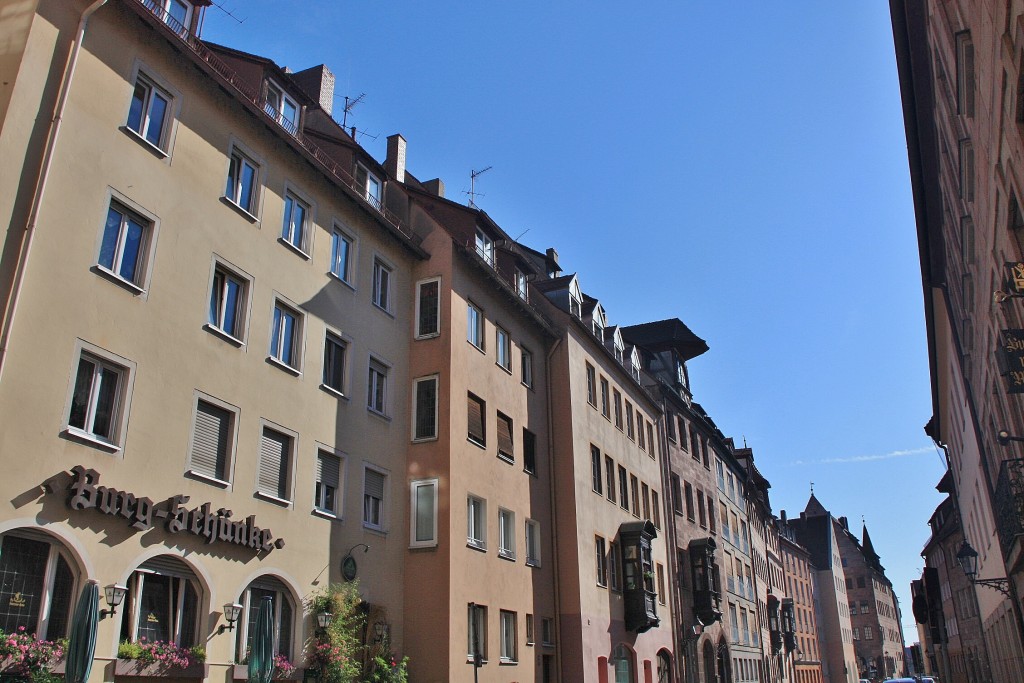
(241, 673)
(135, 667)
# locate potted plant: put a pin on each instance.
(159, 658)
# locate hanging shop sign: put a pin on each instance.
(1011, 359)
(141, 512)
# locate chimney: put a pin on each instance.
(318, 83)
(435, 187)
(782, 515)
(845, 523)
(554, 270)
(394, 164)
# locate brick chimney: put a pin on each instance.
(394, 164)
(318, 83)
(845, 523)
(434, 187)
(554, 270)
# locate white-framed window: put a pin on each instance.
(213, 440)
(374, 486)
(530, 636)
(506, 534)
(176, 13)
(614, 567)
(162, 603)
(529, 452)
(381, 285)
(229, 303)
(533, 543)
(150, 115)
(591, 385)
(476, 409)
(476, 522)
(125, 246)
(526, 366)
(575, 300)
(617, 408)
(242, 188)
(522, 289)
(600, 561)
(503, 348)
(476, 629)
(424, 408)
(296, 222)
(423, 504)
(270, 591)
(629, 420)
(475, 325)
(606, 408)
(277, 455)
(342, 255)
(327, 490)
(506, 449)
(38, 589)
(282, 108)
(369, 185)
(99, 398)
(377, 387)
(547, 631)
(484, 246)
(428, 308)
(286, 336)
(335, 363)
(508, 637)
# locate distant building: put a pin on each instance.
(799, 577)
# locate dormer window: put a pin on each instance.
(635, 371)
(176, 13)
(485, 247)
(369, 185)
(521, 288)
(599, 322)
(282, 108)
(575, 300)
(598, 329)
(680, 373)
(618, 347)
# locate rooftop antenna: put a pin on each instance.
(744, 440)
(349, 106)
(516, 239)
(228, 12)
(473, 194)
(812, 488)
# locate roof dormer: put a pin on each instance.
(613, 340)
(598, 320)
(575, 299)
(634, 362)
(281, 107)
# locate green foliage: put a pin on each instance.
(335, 651)
(29, 659)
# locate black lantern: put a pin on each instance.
(968, 559)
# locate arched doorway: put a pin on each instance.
(710, 670)
(664, 667)
(724, 668)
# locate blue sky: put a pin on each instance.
(741, 166)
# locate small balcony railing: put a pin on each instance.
(1009, 503)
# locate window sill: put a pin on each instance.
(118, 280)
(423, 545)
(432, 335)
(292, 247)
(333, 392)
(379, 530)
(216, 331)
(479, 546)
(533, 563)
(157, 151)
(383, 310)
(334, 276)
(284, 366)
(506, 457)
(483, 660)
(506, 369)
(207, 479)
(508, 662)
(507, 555)
(476, 346)
(326, 514)
(478, 444)
(376, 413)
(244, 213)
(90, 439)
(270, 498)
(424, 439)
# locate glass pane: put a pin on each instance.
(231, 186)
(289, 112)
(155, 608)
(424, 513)
(106, 399)
(231, 296)
(215, 299)
(179, 12)
(157, 113)
(287, 337)
(137, 107)
(22, 569)
(245, 195)
(289, 208)
(83, 388)
(131, 250)
(60, 602)
(275, 337)
(111, 233)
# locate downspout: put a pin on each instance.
(554, 514)
(44, 174)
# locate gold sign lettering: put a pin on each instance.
(17, 600)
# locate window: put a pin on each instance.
(381, 285)
(614, 567)
(868, 634)
(967, 170)
(532, 543)
(295, 229)
(286, 336)
(635, 490)
(428, 308)
(677, 498)
(521, 286)
(162, 603)
(601, 557)
(529, 629)
(529, 451)
(617, 404)
(645, 500)
(476, 522)
(270, 591)
(508, 636)
(175, 13)
(964, 74)
(506, 534)
(656, 508)
(477, 412)
(650, 438)
(609, 475)
(212, 441)
(242, 185)
(475, 326)
(591, 385)
(423, 503)
(595, 468)
(701, 515)
(503, 348)
(228, 299)
(688, 491)
(335, 351)
(629, 419)
(526, 366)
(484, 246)
(682, 434)
(373, 498)
(605, 403)
(640, 430)
(123, 251)
(711, 514)
(505, 448)
(623, 492)
(547, 632)
(341, 255)
(37, 592)
(282, 108)
(660, 570)
(275, 466)
(424, 397)
(99, 400)
(670, 426)
(377, 387)
(326, 493)
(477, 631)
(369, 185)
(149, 113)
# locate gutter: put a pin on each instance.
(44, 173)
(554, 512)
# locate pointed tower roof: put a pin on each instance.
(868, 548)
(814, 507)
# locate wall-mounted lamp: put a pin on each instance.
(348, 563)
(1004, 437)
(380, 631)
(232, 611)
(323, 620)
(967, 557)
(114, 595)
(1000, 296)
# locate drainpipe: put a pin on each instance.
(44, 173)
(554, 514)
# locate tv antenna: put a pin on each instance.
(349, 106)
(518, 237)
(473, 194)
(228, 12)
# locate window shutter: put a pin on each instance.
(209, 443)
(476, 419)
(273, 475)
(327, 470)
(374, 486)
(504, 435)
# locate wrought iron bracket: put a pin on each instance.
(1001, 585)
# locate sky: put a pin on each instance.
(741, 166)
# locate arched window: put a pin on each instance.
(622, 658)
(162, 603)
(664, 667)
(37, 584)
(284, 615)
(710, 671)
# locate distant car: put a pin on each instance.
(922, 679)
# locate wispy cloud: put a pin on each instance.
(865, 458)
